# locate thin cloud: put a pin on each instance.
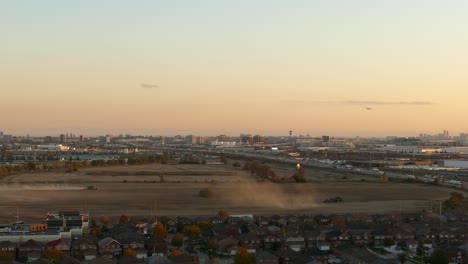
(356, 102)
(149, 86)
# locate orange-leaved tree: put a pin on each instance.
(105, 220)
(243, 257)
(130, 252)
(123, 220)
(159, 231)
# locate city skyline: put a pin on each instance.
(219, 67)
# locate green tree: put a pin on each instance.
(204, 225)
(243, 257)
(159, 231)
(192, 232)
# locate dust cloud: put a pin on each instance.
(270, 195)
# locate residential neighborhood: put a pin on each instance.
(348, 238)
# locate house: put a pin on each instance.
(313, 237)
(137, 245)
(109, 247)
(292, 220)
(403, 235)
(278, 220)
(228, 245)
(362, 239)
(412, 245)
(273, 229)
(265, 257)
(323, 245)
(333, 235)
(250, 241)
(169, 223)
(295, 241)
(216, 220)
(157, 246)
(269, 240)
(184, 222)
(85, 248)
(380, 236)
(354, 254)
(30, 250)
(344, 236)
(322, 220)
(8, 247)
(61, 245)
(263, 221)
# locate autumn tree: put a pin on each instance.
(338, 221)
(175, 252)
(53, 254)
(223, 215)
(299, 176)
(159, 231)
(123, 220)
(243, 257)
(454, 202)
(192, 232)
(105, 220)
(5, 256)
(130, 252)
(95, 231)
(177, 240)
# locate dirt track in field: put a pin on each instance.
(156, 189)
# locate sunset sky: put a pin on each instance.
(210, 67)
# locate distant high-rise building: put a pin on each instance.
(247, 139)
(223, 138)
(1, 133)
(258, 139)
(326, 138)
(48, 139)
(81, 138)
(63, 138)
(201, 140)
(191, 139)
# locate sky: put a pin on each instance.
(211, 67)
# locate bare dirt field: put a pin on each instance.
(156, 189)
